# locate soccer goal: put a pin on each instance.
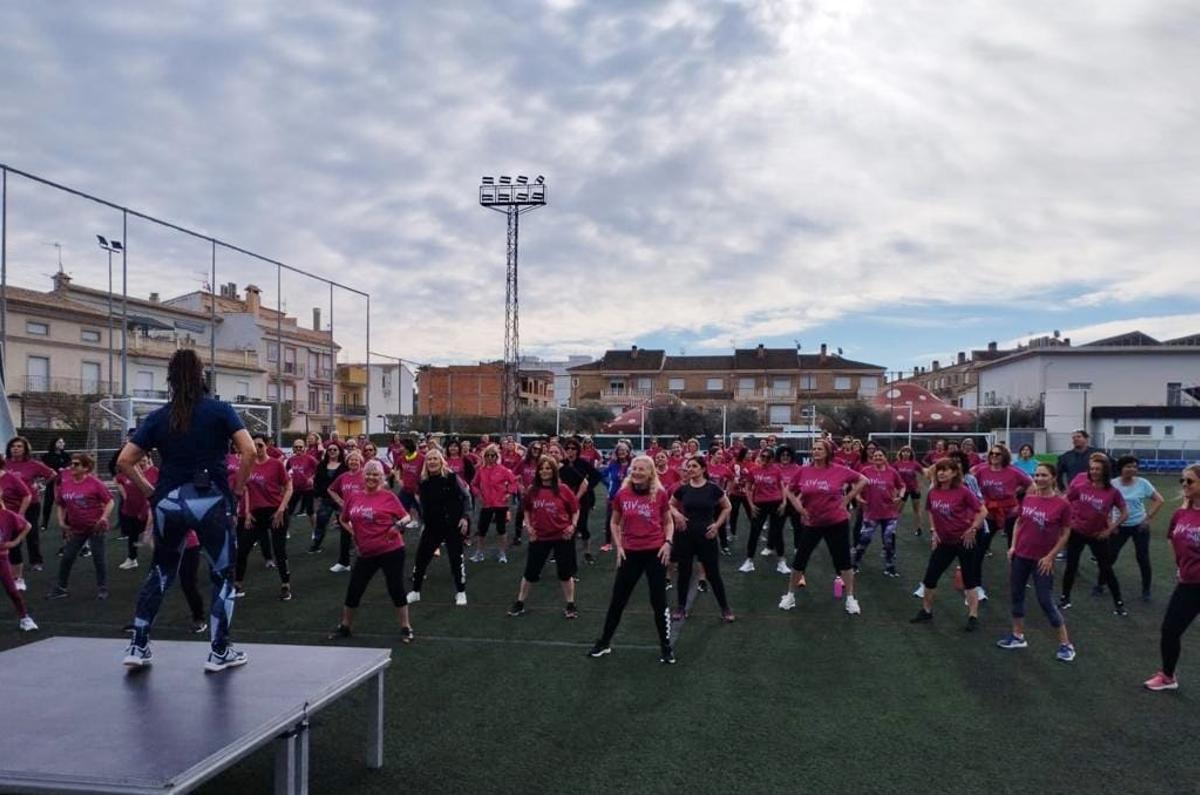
(110, 418)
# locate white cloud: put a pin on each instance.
(1161, 327)
(730, 171)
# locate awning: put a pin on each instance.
(148, 323)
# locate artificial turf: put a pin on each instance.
(811, 700)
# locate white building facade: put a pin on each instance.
(391, 392)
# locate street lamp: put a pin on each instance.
(112, 247)
(557, 416)
(909, 403)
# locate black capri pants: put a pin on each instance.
(392, 565)
(943, 555)
(303, 500)
(495, 516)
(836, 538)
(539, 553)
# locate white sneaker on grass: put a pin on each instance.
(27, 624)
(782, 567)
(20, 583)
(747, 567)
(128, 564)
(787, 602)
(338, 568)
(413, 597)
(852, 605)
(460, 599)
(920, 591)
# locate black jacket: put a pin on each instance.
(576, 472)
(444, 501)
(325, 478)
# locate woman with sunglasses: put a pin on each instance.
(268, 493)
(494, 484)
(1184, 535)
(19, 460)
(704, 509)
(957, 515)
(764, 489)
(302, 469)
(376, 519)
(1000, 482)
(350, 482)
(582, 478)
(328, 470)
(84, 508)
(1042, 529)
(1094, 502)
(526, 472)
(551, 513)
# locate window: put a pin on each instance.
(273, 391)
(868, 386)
(808, 382)
(1174, 393)
(327, 397)
(989, 398)
(643, 384)
(779, 414)
(1131, 430)
(673, 384)
(1168, 430)
(37, 373)
(89, 374)
(89, 335)
(272, 351)
(714, 384)
(616, 386)
(745, 387)
(143, 383)
(1079, 385)
(37, 329)
(313, 399)
(781, 387)
(289, 360)
(841, 382)
(243, 389)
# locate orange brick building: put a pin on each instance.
(474, 389)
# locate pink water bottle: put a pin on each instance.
(839, 587)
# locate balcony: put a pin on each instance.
(352, 410)
(324, 374)
(63, 386)
(164, 347)
(762, 395)
(150, 394)
(625, 395)
(289, 370)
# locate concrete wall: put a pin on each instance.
(1117, 378)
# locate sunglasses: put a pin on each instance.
(78, 464)
(1188, 481)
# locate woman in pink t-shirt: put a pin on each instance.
(1097, 510)
(551, 510)
(764, 486)
(13, 527)
(910, 470)
(494, 483)
(84, 508)
(642, 532)
(880, 502)
(957, 516)
(19, 461)
(1184, 535)
(377, 520)
(822, 492)
(134, 514)
(268, 491)
(1043, 526)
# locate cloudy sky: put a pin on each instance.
(900, 179)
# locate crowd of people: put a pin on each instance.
(672, 513)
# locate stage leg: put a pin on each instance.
(291, 762)
(375, 724)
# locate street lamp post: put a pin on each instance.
(558, 415)
(111, 247)
(910, 410)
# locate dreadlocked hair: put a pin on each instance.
(185, 378)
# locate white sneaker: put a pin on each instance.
(338, 568)
(852, 605)
(982, 594)
(746, 567)
(766, 551)
(129, 563)
(20, 583)
(787, 602)
(460, 599)
(137, 656)
(502, 557)
(413, 597)
(477, 556)
(782, 567)
(920, 591)
(27, 624)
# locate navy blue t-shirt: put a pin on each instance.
(201, 447)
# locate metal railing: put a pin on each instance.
(63, 386)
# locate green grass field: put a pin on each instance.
(811, 700)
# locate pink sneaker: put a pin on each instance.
(1161, 681)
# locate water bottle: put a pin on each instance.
(839, 587)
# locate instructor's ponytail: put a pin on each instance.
(185, 378)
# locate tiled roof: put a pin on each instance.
(699, 363)
(1132, 338)
(51, 301)
(640, 359)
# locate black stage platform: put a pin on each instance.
(171, 726)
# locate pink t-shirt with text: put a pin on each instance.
(1041, 522)
(372, 517)
(822, 492)
(83, 503)
(952, 512)
(643, 518)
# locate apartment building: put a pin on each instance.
(391, 391)
(955, 382)
(779, 382)
(561, 370)
(475, 389)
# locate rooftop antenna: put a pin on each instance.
(58, 246)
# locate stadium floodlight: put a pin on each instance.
(489, 180)
(522, 180)
(505, 180)
(540, 180)
(112, 247)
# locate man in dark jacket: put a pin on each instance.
(1075, 460)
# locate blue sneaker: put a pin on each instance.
(1066, 652)
(231, 658)
(1013, 642)
(137, 656)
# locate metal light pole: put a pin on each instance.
(503, 196)
(910, 410)
(400, 362)
(643, 434)
(111, 248)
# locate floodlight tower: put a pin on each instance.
(514, 200)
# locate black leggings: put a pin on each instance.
(768, 514)
(32, 539)
(489, 516)
(628, 573)
(1181, 612)
(581, 525)
(433, 537)
(131, 530)
(539, 553)
(836, 538)
(737, 501)
(364, 569)
(943, 555)
(326, 509)
(985, 539)
(688, 546)
(1103, 552)
(1140, 534)
(302, 500)
(272, 540)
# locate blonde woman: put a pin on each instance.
(1184, 534)
(445, 505)
(642, 531)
